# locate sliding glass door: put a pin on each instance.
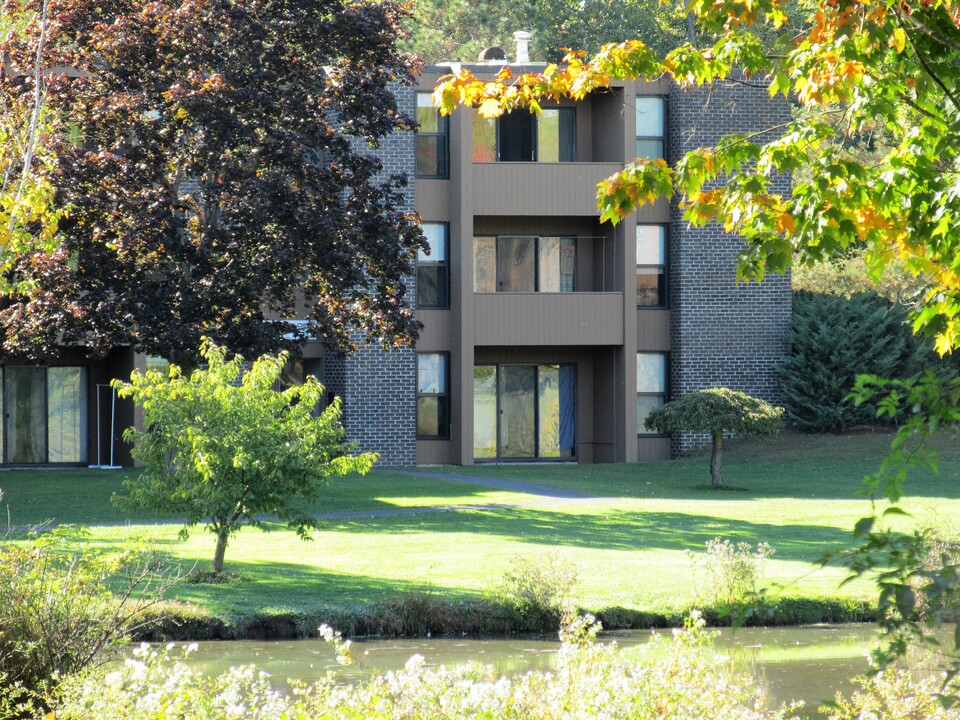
(25, 410)
(44, 415)
(524, 412)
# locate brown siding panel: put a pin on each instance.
(653, 448)
(548, 318)
(653, 330)
(512, 188)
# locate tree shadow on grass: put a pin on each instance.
(283, 586)
(614, 530)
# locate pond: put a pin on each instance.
(807, 663)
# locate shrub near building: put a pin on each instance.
(833, 339)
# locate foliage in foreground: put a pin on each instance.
(684, 681)
(225, 447)
(57, 614)
(717, 411)
(894, 695)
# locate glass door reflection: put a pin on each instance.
(524, 412)
(25, 409)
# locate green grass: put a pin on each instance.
(799, 494)
(83, 496)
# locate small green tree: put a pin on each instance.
(225, 447)
(716, 411)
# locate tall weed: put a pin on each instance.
(728, 573)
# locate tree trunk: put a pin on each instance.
(716, 458)
(222, 534)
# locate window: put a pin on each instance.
(651, 265)
(650, 127)
(432, 139)
(433, 397)
(520, 263)
(651, 386)
(161, 365)
(432, 270)
(520, 136)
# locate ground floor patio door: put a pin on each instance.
(25, 403)
(524, 412)
(44, 415)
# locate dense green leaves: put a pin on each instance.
(834, 339)
(220, 163)
(28, 216)
(63, 611)
(717, 410)
(222, 446)
(458, 30)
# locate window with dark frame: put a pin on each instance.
(651, 386)
(432, 140)
(433, 395)
(520, 136)
(433, 274)
(651, 126)
(651, 266)
(524, 263)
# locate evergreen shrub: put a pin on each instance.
(832, 340)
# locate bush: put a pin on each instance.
(538, 587)
(936, 581)
(734, 573)
(832, 340)
(894, 695)
(684, 681)
(58, 615)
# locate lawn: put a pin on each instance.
(634, 546)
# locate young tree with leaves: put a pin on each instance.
(224, 447)
(717, 411)
(222, 159)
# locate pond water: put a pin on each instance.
(808, 663)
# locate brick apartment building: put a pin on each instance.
(547, 335)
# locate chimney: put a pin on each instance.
(523, 46)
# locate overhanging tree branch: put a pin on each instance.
(32, 133)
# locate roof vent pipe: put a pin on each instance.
(523, 46)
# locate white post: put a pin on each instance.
(523, 46)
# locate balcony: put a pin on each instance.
(535, 188)
(577, 318)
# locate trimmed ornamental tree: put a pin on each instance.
(224, 447)
(716, 411)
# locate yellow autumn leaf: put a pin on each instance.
(785, 223)
(489, 108)
(898, 40)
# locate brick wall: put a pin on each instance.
(722, 333)
(378, 386)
